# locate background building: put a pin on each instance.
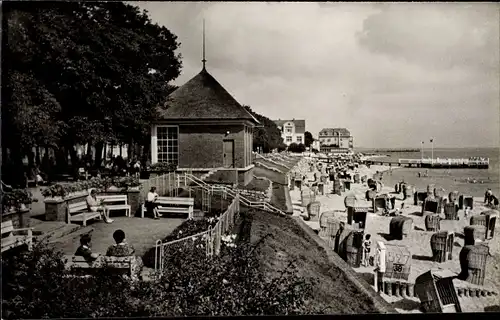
(335, 140)
(292, 130)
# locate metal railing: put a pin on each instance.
(253, 204)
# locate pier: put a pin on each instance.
(434, 163)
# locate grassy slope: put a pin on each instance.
(334, 292)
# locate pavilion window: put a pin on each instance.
(168, 144)
(288, 139)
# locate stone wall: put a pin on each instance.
(20, 218)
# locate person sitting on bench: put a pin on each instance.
(96, 206)
(151, 203)
(84, 248)
(121, 248)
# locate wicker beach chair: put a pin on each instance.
(432, 222)
(442, 246)
(313, 208)
(474, 233)
(400, 227)
(419, 197)
(465, 201)
(436, 292)
(431, 205)
(450, 211)
(491, 219)
(473, 260)
(354, 248)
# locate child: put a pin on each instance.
(84, 248)
(366, 250)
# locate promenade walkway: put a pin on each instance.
(142, 233)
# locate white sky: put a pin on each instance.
(393, 74)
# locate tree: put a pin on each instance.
(269, 136)
(308, 139)
(297, 148)
(94, 72)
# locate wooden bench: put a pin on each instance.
(173, 205)
(9, 240)
(78, 265)
(79, 212)
(115, 202)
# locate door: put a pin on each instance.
(228, 150)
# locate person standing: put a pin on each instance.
(366, 250)
(488, 196)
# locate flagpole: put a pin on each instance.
(432, 150)
(422, 151)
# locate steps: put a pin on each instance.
(49, 230)
(70, 237)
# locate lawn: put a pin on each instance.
(286, 241)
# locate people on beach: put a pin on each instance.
(84, 250)
(96, 206)
(488, 196)
(121, 248)
(151, 205)
(366, 250)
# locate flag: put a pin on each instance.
(432, 140)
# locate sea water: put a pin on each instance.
(473, 182)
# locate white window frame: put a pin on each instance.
(299, 139)
(167, 156)
(288, 139)
(288, 129)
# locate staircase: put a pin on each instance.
(231, 192)
(57, 231)
(208, 174)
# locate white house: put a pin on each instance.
(292, 130)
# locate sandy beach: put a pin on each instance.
(418, 241)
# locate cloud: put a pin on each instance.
(436, 35)
(390, 73)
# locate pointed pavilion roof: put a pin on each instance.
(203, 98)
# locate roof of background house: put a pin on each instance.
(203, 98)
(300, 125)
(330, 131)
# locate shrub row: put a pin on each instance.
(63, 189)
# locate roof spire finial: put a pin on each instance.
(204, 60)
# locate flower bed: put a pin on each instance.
(162, 167)
(186, 229)
(102, 184)
(15, 199)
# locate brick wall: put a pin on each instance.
(202, 146)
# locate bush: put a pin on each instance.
(36, 285)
